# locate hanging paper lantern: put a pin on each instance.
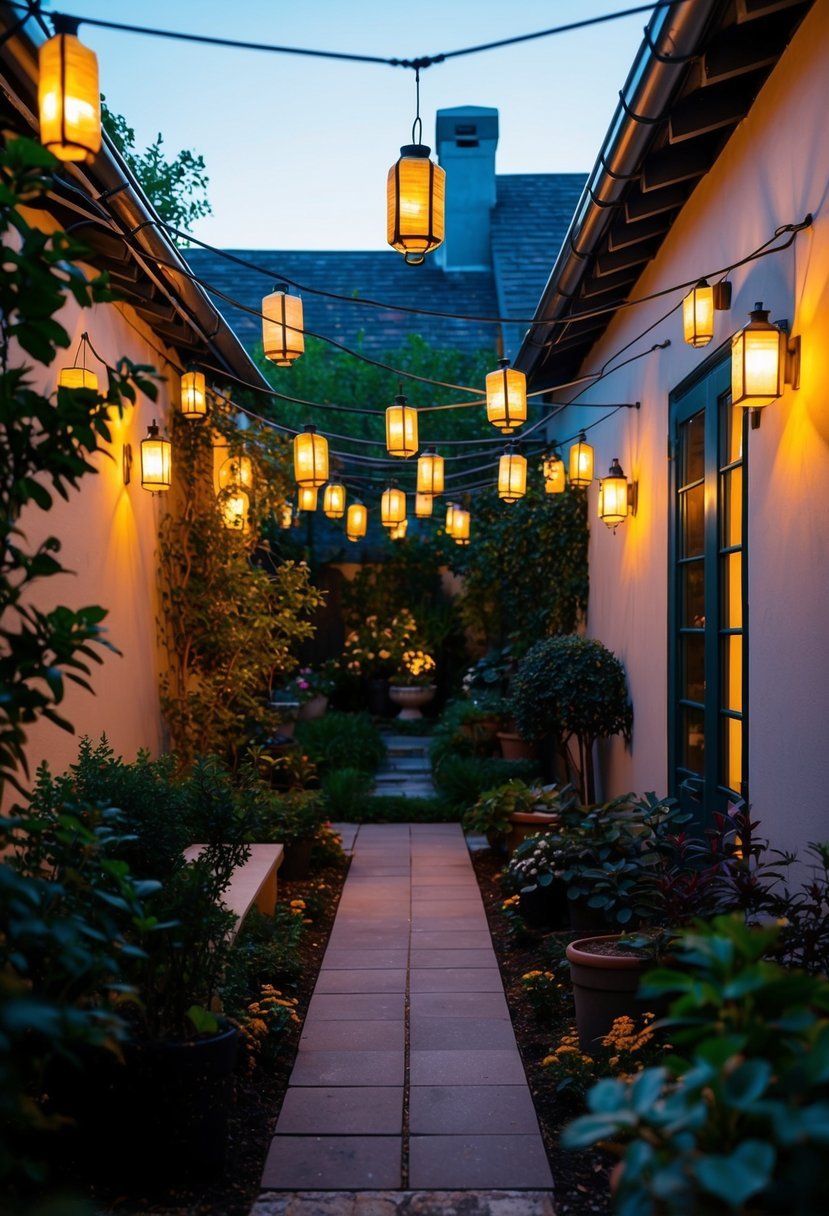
(462, 526)
(415, 193)
(398, 532)
(156, 461)
(356, 521)
(506, 397)
(283, 333)
(193, 394)
(392, 507)
(554, 477)
(401, 429)
(430, 473)
(449, 525)
(310, 458)
(698, 314)
(77, 377)
(235, 504)
(69, 98)
(512, 475)
(236, 471)
(306, 498)
(581, 463)
(333, 500)
(424, 504)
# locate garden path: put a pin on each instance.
(408, 1077)
(406, 771)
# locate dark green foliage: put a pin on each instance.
(492, 812)
(345, 791)
(525, 568)
(572, 688)
(458, 732)
(396, 808)
(462, 779)
(291, 817)
(266, 951)
(340, 740)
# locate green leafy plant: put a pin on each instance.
(574, 689)
(345, 791)
(340, 740)
(462, 779)
(291, 817)
(492, 813)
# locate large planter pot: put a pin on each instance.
(296, 860)
(513, 747)
(605, 985)
(161, 1115)
(377, 698)
(315, 708)
(411, 698)
(524, 824)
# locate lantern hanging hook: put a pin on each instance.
(417, 125)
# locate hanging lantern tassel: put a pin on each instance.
(156, 461)
(69, 99)
(356, 521)
(283, 328)
(512, 475)
(310, 458)
(581, 463)
(617, 496)
(554, 477)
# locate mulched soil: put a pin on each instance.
(581, 1179)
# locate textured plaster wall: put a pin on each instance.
(774, 170)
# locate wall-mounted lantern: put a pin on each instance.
(617, 496)
(156, 461)
(763, 359)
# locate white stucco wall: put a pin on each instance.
(108, 534)
(774, 170)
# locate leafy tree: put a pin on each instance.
(176, 187)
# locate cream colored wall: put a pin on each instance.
(774, 170)
(108, 534)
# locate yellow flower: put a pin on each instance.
(548, 1060)
(297, 903)
(566, 1050)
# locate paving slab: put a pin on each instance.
(498, 1066)
(324, 1068)
(451, 939)
(471, 1110)
(459, 1005)
(296, 1163)
(458, 979)
(448, 958)
(478, 1161)
(447, 1034)
(337, 959)
(354, 1036)
(365, 1110)
(360, 1006)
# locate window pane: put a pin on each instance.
(732, 590)
(732, 648)
(693, 595)
(731, 432)
(732, 760)
(692, 449)
(692, 522)
(692, 740)
(693, 654)
(732, 507)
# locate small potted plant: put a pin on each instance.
(313, 688)
(494, 814)
(412, 686)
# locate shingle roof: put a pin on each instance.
(530, 218)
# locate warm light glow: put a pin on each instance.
(306, 498)
(415, 193)
(193, 394)
(401, 429)
(461, 526)
(554, 477)
(758, 361)
(613, 496)
(310, 458)
(286, 515)
(424, 505)
(581, 463)
(69, 98)
(333, 500)
(156, 461)
(392, 507)
(430, 473)
(449, 525)
(512, 476)
(356, 521)
(698, 315)
(506, 398)
(236, 471)
(77, 377)
(283, 332)
(236, 509)
(398, 532)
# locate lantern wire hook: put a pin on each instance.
(417, 125)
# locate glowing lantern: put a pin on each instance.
(698, 315)
(310, 458)
(356, 521)
(415, 193)
(614, 496)
(156, 461)
(401, 428)
(333, 500)
(512, 475)
(554, 478)
(286, 515)
(68, 95)
(398, 532)
(424, 504)
(461, 526)
(306, 498)
(236, 471)
(758, 361)
(236, 509)
(430, 473)
(283, 334)
(77, 377)
(449, 526)
(392, 507)
(506, 397)
(581, 463)
(193, 394)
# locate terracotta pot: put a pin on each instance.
(315, 708)
(513, 747)
(524, 824)
(605, 986)
(411, 698)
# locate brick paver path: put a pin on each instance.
(407, 1074)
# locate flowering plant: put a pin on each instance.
(264, 1025)
(376, 651)
(307, 683)
(417, 669)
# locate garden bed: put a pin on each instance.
(581, 1179)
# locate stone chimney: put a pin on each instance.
(466, 139)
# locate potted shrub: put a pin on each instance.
(313, 688)
(494, 814)
(572, 689)
(412, 685)
(292, 819)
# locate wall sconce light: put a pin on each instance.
(698, 310)
(617, 496)
(424, 505)
(193, 394)
(506, 397)
(333, 500)
(401, 429)
(310, 458)
(392, 506)
(79, 375)
(764, 358)
(356, 521)
(283, 332)
(306, 498)
(512, 475)
(581, 463)
(462, 526)
(69, 98)
(430, 473)
(156, 461)
(555, 480)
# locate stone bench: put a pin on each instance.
(252, 884)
